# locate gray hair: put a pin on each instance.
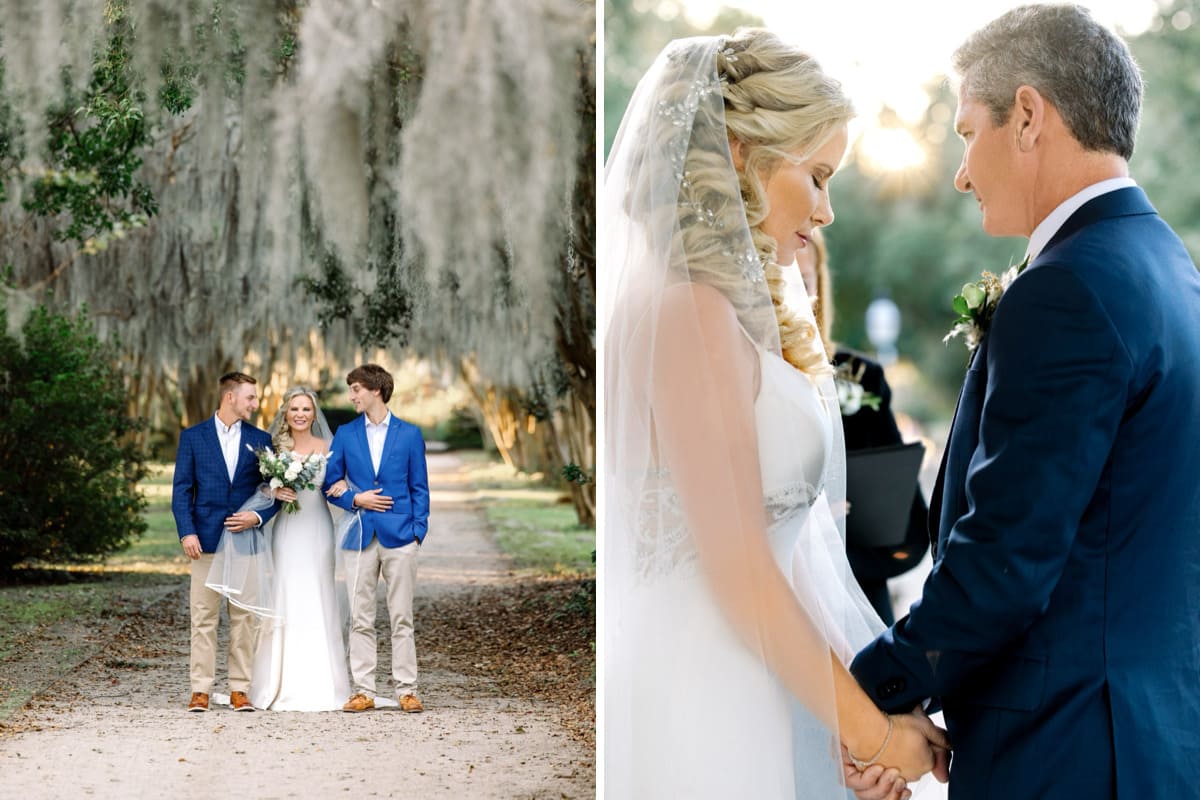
(1085, 70)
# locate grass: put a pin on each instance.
(535, 524)
(158, 548)
(544, 538)
(25, 608)
(46, 596)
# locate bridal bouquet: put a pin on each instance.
(289, 471)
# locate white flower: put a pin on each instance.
(276, 483)
(293, 470)
(849, 397)
(316, 458)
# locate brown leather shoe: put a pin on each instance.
(199, 702)
(410, 704)
(240, 701)
(359, 702)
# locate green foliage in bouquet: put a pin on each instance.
(68, 468)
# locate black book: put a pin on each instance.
(880, 485)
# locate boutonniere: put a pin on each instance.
(851, 395)
(977, 303)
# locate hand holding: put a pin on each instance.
(236, 523)
(373, 500)
(876, 782)
(338, 489)
(191, 546)
(940, 742)
(911, 749)
(284, 494)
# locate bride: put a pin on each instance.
(730, 610)
(300, 664)
(286, 577)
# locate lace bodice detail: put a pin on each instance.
(794, 441)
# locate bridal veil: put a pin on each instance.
(686, 310)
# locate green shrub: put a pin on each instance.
(461, 431)
(66, 453)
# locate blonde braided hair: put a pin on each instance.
(778, 99)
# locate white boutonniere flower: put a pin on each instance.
(851, 395)
(976, 305)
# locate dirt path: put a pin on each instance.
(116, 726)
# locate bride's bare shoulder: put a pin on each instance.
(700, 302)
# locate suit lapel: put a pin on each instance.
(244, 453)
(209, 431)
(934, 519)
(393, 433)
(360, 438)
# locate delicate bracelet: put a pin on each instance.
(862, 765)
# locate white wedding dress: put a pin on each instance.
(709, 718)
(300, 663)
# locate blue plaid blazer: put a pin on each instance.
(202, 495)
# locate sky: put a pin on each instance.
(885, 52)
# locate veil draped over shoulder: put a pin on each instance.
(690, 328)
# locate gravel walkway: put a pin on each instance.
(116, 726)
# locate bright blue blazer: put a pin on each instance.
(403, 476)
(1060, 626)
(202, 495)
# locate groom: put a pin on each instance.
(215, 472)
(384, 459)
(1060, 626)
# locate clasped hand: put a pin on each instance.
(917, 746)
(371, 500)
(242, 520)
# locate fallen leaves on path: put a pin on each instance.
(535, 639)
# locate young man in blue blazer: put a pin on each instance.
(383, 458)
(215, 473)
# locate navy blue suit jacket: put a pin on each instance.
(202, 495)
(1060, 626)
(403, 476)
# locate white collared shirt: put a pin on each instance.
(376, 436)
(230, 437)
(1045, 230)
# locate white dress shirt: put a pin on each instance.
(376, 436)
(1046, 229)
(230, 437)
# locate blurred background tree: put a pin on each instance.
(902, 231)
(290, 188)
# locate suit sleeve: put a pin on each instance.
(1057, 375)
(183, 487)
(418, 486)
(335, 470)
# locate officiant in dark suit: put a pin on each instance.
(868, 422)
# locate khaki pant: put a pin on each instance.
(398, 568)
(205, 606)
